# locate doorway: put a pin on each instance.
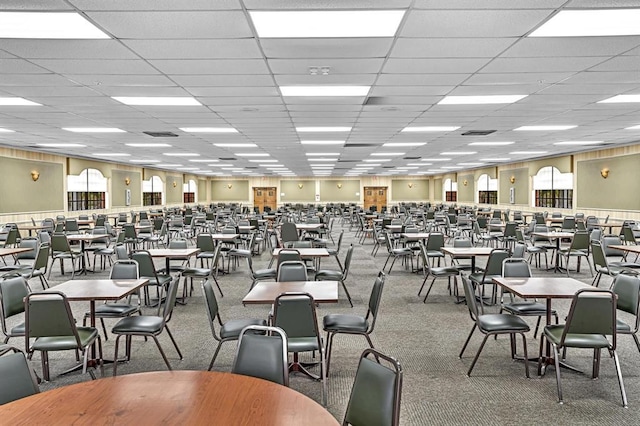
(265, 197)
(375, 196)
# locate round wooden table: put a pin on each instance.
(169, 397)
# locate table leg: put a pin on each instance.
(547, 359)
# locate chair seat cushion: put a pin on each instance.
(302, 344)
(205, 255)
(196, 272)
(265, 273)
(16, 268)
(478, 278)
(492, 323)
(139, 324)
(574, 340)
(402, 252)
(329, 275)
(62, 343)
(526, 308)
(232, 329)
(111, 310)
(441, 271)
(344, 322)
(161, 281)
(622, 327)
(435, 253)
(18, 330)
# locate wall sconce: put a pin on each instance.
(410, 184)
(300, 185)
(127, 181)
(339, 186)
(174, 184)
(465, 182)
(35, 175)
(604, 173)
(512, 179)
(229, 185)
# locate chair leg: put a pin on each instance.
(473, 363)
(423, 283)
(115, 357)
(557, 365)
(164, 357)
(173, 340)
(429, 290)
(344, 286)
(526, 355)
(328, 349)
(620, 382)
(215, 355)
(467, 341)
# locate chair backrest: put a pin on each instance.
(470, 297)
(494, 263)
(292, 270)
(170, 302)
(596, 234)
(285, 255)
(145, 264)
(204, 242)
(516, 268)
(374, 299)
(121, 252)
(60, 243)
(597, 253)
(435, 241)
(13, 290)
(295, 313)
(18, 379)
(262, 355)
(213, 309)
(580, 241)
(31, 243)
(519, 250)
(124, 270)
(49, 315)
(347, 262)
(177, 244)
(627, 288)
(288, 232)
(71, 226)
(376, 392)
(339, 241)
(42, 257)
(593, 311)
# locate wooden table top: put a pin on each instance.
(173, 252)
(82, 290)
(13, 250)
(467, 251)
(630, 248)
(266, 292)
(169, 397)
(542, 287)
(306, 252)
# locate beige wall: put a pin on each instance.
(293, 193)
(173, 193)
(620, 190)
(330, 193)
(401, 191)
(438, 195)
(238, 193)
(202, 191)
(119, 186)
(466, 193)
(520, 185)
(19, 193)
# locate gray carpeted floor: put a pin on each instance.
(425, 338)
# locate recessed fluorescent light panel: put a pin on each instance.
(157, 101)
(208, 129)
(93, 130)
(633, 127)
(490, 143)
(236, 145)
(480, 100)
(322, 129)
(2, 130)
(149, 145)
(376, 160)
(470, 164)
(621, 99)
(12, 101)
(322, 159)
(252, 154)
(261, 161)
(333, 23)
(430, 129)
(403, 144)
(45, 25)
(591, 23)
(324, 90)
(543, 128)
(322, 142)
(200, 160)
(320, 154)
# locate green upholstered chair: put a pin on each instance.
(258, 274)
(13, 290)
(491, 325)
(627, 289)
(403, 253)
(334, 324)
(148, 270)
(262, 353)
(492, 269)
(121, 270)
(292, 270)
(295, 313)
(61, 250)
(578, 249)
(591, 323)
(18, 380)
(148, 326)
(376, 392)
(50, 326)
(23, 260)
(230, 330)
(207, 249)
(435, 272)
(519, 268)
(201, 273)
(601, 265)
(338, 275)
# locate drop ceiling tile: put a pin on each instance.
(410, 90)
(141, 91)
(35, 80)
(421, 79)
(118, 80)
(620, 63)
(586, 89)
(233, 80)
(326, 48)
(437, 66)
(450, 47)
(173, 25)
(503, 89)
(211, 66)
(336, 66)
(196, 49)
(472, 23)
(67, 49)
(322, 4)
(571, 46)
(518, 78)
(229, 100)
(233, 91)
(95, 66)
(336, 80)
(487, 4)
(19, 66)
(604, 78)
(153, 5)
(528, 65)
(21, 5)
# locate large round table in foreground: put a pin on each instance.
(169, 397)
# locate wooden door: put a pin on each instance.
(265, 197)
(375, 196)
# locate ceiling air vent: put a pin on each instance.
(161, 134)
(478, 132)
(411, 158)
(388, 167)
(361, 145)
(348, 161)
(228, 159)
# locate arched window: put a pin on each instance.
(86, 191)
(487, 190)
(554, 189)
(189, 191)
(152, 191)
(450, 190)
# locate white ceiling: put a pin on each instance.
(210, 50)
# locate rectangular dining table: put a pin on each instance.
(265, 293)
(467, 252)
(84, 238)
(557, 237)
